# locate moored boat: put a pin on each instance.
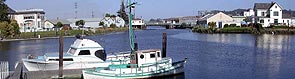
(149, 64)
(83, 53)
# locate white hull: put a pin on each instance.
(154, 76)
(135, 73)
(33, 66)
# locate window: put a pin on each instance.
(141, 56)
(268, 20)
(262, 13)
(283, 21)
(275, 13)
(28, 17)
(65, 59)
(152, 55)
(262, 21)
(158, 54)
(101, 54)
(72, 51)
(84, 52)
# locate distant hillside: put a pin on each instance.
(236, 12)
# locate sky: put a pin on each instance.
(147, 9)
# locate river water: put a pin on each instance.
(210, 56)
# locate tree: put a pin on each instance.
(102, 24)
(14, 24)
(3, 11)
(183, 24)
(59, 24)
(80, 23)
(9, 29)
(113, 25)
(212, 24)
(108, 15)
(113, 16)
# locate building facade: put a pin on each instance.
(220, 19)
(29, 20)
(268, 14)
(118, 21)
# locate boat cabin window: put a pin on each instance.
(84, 52)
(158, 53)
(152, 55)
(101, 54)
(72, 51)
(141, 56)
(65, 59)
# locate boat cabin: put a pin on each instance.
(87, 47)
(148, 56)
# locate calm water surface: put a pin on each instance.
(211, 56)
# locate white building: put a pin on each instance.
(29, 20)
(269, 14)
(118, 21)
(89, 22)
(249, 12)
(220, 18)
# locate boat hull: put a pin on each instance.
(35, 66)
(178, 68)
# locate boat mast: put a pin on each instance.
(131, 34)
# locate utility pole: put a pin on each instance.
(92, 14)
(76, 11)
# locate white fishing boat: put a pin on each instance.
(143, 63)
(83, 53)
(148, 64)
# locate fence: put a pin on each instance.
(4, 69)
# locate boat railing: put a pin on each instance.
(121, 70)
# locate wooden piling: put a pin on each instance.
(164, 45)
(136, 46)
(60, 75)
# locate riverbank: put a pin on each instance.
(66, 34)
(247, 30)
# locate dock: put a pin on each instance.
(21, 73)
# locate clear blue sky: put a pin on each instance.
(148, 8)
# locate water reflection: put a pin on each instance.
(269, 53)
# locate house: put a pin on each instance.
(29, 20)
(269, 14)
(220, 19)
(249, 12)
(118, 21)
(138, 23)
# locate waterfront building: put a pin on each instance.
(189, 20)
(29, 20)
(249, 12)
(268, 14)
(89, 22)
(220, 19)
(50, 24)
(138, 22)
(118, 21)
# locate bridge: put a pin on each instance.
(168, 25)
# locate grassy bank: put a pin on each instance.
(275, 30)
(67, 33)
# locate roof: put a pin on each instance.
(30, 11)
(262, 5)
(207, 16)
(85, 19)
(10, 10)
(63, 21)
